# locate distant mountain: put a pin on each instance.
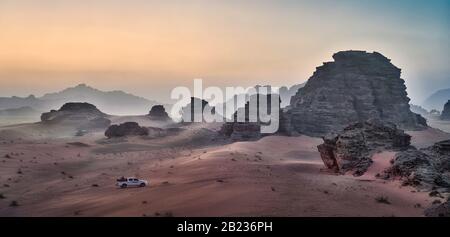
(437, 100)
(19, 115)
(20, 112)
(18, 102)
(111, 102)
(418, 110)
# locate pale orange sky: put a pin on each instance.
(148, 47)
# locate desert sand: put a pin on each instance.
(191, 173)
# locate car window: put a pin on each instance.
(135, 180)
(130, 180)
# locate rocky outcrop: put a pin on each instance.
(158, 112)
(241, 131)
(190, 112)
(72, 111)
(417, 109)
(427, 168)
(438, 210)
(355, 87)
(126, 129)
(80, 115)
(445, 115)
(351, 149)
(246, 130)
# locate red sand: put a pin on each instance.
(275, 176)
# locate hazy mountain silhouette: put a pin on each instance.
(22, 111)
(111, 102)
(418, 110)
(437, 100)
(18, 102)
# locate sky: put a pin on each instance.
(149, 47)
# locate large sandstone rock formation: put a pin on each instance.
(190, 111)
(246, 130)
(445, 115)
(355, 87)
(158, 112)
(352, 149)
(126, 129)
(427, 168)
(80, 115)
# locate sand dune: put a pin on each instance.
(275, 176)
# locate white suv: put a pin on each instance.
(131, 182)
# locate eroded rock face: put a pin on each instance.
(126, 129)
(243, 131)
(439, 210)
(445, 115)
(355, 87)
(158, 112)
(351, 149)
(81, 115)
(195, 110)
(427, 168)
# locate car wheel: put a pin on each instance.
(123, 185)
(142, 185)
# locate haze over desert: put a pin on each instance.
(239, 113)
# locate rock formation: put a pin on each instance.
(355, 87)
(126, 129)
(80, 115)
(158, 112)
(427, 168)
(438, 210)
(247, 130)
(445, 115)
(352, 149)
(189, 112)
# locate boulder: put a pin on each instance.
(126, 129)
(356, 87)
(351, 149)
(445, 115)
(158, 112)
(427, 168)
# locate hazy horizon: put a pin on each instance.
(149, 47)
